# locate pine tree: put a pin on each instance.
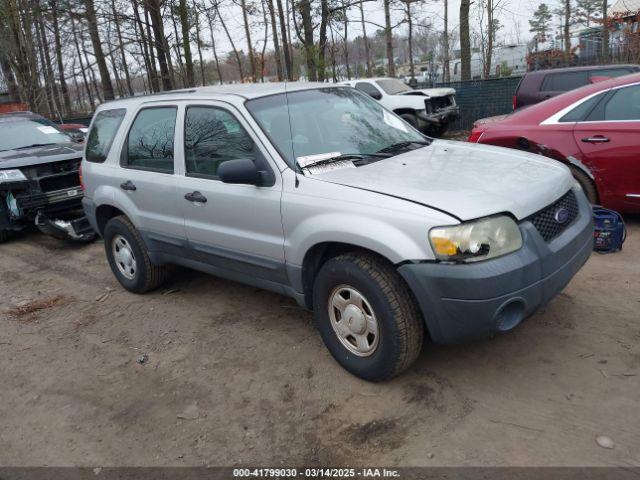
(540, 22)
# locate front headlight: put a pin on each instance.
(14, 175)
(476, 240)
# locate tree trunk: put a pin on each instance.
(285, 42)
(388, 35)
(183, 12)
(322, 41)
(199, 43)
(308, 44)
(123, 57)
(146, 50)
(410, 39)
(445, 44)
(92, 24)
(247, 32)
(367, 54)
(233, 45)
(64, 89)
(213, 46)
(465, 41)
(276, 44)
(10, 79)
(490, 35)
(92, 102)
(605, 31)
(153, 7)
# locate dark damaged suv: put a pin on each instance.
(39, 178)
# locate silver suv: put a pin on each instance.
(317, 192)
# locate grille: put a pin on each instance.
(545, 220)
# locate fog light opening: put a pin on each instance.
(509, 315)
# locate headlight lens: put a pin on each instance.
(476, 240)
(14, 175)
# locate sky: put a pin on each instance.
(514, 17)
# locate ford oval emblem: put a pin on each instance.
(561, 215)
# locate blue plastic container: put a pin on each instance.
(609, 230)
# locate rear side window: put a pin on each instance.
(150, 141)
(212, 136)
(581, 111)
(105, 127)
(563, 82)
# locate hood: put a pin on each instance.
(430, 92)
(26, 157)
(465, 180)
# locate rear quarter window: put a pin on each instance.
(104, 129)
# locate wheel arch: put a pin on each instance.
(104, 213)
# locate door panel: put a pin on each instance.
(612, 152)
(610, 146)
(146, 180)
(236, 227)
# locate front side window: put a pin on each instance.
(101, 136)
(369, 89)
(211, 136)
(624, 104)
(329, 120)
(150, 140)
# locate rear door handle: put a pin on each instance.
(596, 139)
(128, 185)
(196, 197)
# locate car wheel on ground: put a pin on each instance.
(587, 185)
(366, 316)
(128, 257)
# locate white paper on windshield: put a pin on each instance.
(309, 159)
(48, 130)
(394, 121)
(329, 167)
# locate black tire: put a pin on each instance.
(588, 187)
(400, 323)
(147, 276)
(4, 235)
(411, 119)
(439, 130)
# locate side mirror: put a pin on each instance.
(242, 171)
(376, 95)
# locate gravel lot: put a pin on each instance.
(239, 376)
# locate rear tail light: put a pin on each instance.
(475, 136)
(514, 102)
(80, 175)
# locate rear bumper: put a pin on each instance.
(467, 301)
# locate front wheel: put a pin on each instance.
(366, 316)
(128, 257)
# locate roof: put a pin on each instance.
(580, 69)
(239, 90)
(624, 6)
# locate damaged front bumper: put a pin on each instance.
(78, 229)
(441, 116)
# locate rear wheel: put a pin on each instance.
(366, 316)
(588, 187)
(128, 257)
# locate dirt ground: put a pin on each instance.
(239, 376)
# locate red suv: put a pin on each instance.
(594, 130)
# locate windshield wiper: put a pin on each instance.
(397, 147)
(347, 156)
(33, 145)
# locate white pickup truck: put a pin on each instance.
(430, 110)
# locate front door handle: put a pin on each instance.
(196, 197)
(596, 139)
(128, 185)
